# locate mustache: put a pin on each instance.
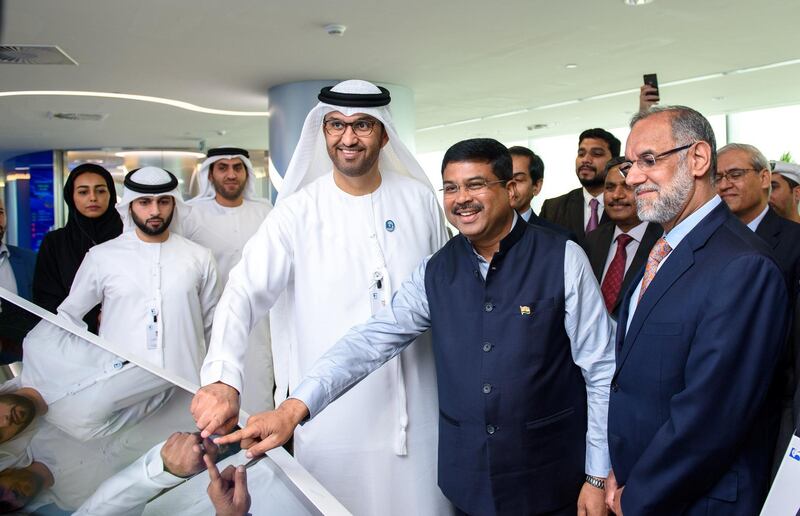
(644, 188)
(619, 203)
(586, 165)
(466, 206)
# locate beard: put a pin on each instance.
(354, 169)
(596, 181)
(230, 195)
(147, 230)
(671, 198)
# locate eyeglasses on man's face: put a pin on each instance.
(648, 160)
(474, 186)
(361, 127)
(733, 175)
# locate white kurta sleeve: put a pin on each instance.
(85, 293)
(127, 492)
(254, 285)
(590, 332)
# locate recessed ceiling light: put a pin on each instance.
(634, 3)
(570, 66)
(717, 98)
(171, 153)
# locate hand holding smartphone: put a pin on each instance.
(648, 93)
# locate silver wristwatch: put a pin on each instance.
(597, 482)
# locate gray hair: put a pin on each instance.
(688, 126)
(757, 160)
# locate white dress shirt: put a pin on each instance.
(636, 234)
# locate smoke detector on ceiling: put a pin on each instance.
(34, 54)
(78, 117)
(335, 29)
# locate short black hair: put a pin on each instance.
(484, 150)
(614, 145)
(536, 165)
(613, 162)
(791, 182)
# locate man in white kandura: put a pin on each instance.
(158, 289)
(225, 214)
(332, 252)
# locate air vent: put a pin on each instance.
(78, 117)
(34, 54)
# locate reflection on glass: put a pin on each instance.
(84, 431)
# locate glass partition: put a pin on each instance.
(83, 428)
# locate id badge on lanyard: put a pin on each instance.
(152, 329)
(379, 291)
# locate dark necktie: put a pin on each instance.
(593, 219)
(616, 272)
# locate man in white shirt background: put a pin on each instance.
(225, 214)
(158, 289)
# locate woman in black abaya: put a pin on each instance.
(90, 196)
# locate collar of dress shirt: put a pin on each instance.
(588, 197)
(636, 233)
(753, 224)
(679, 232)
(526, 215)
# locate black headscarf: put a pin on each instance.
(84, 232)
(62, 250)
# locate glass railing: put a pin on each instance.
(87, 426)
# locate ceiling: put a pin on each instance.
(465, 60)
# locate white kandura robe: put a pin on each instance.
(131, 278)
(318, 250)
(225, 231)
